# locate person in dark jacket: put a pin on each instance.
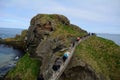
(57, 64)
(40, 77)
(78, 38)
(73, 40)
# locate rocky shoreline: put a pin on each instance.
(7, 66)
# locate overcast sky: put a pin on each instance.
(101, 16)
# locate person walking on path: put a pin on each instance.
(66, 55)
(78, 38)
(57, 64)
(40, 77)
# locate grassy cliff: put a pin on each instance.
(102, 54)
(26, 69)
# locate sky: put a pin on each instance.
(99, 16)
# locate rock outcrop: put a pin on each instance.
(41, 28)
(48, 37)
(45, 41)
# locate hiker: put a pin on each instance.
(40, 77)
(89, 34)
(93, 34)
(73, 40)
(57, 64)
(66, 55)
(73, 44)
(78, 38)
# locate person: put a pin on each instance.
(78, 38)
(57, 64)
(73, 40)
(66, 55)
(89, 34)
(73, 44)
(40, 77)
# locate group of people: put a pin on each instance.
(57, 64)
(89, 34)
(59, 61)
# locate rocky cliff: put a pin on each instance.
(48, 36)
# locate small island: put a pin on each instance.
(49, 37)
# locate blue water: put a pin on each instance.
(113, 37)
(9, 32)
(8, 55)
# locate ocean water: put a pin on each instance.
(113, 37)
(9, 32)
(8, 55)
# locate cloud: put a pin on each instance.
(105, 12)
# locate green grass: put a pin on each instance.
(27, 69)
(74, 31)
(67, 32)
(103, 55)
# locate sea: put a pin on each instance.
(113, 37)
(9, 32)
(8, 55)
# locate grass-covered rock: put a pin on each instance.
(102, 54)
(94, 59)
(26, 69)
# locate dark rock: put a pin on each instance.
(80, 70)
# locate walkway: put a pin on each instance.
(57, 74)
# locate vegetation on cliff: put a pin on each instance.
(63, 31)
(26, 69)
(55, 30)
(102, 54)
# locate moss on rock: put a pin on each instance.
(102, 54)
(26, 69)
